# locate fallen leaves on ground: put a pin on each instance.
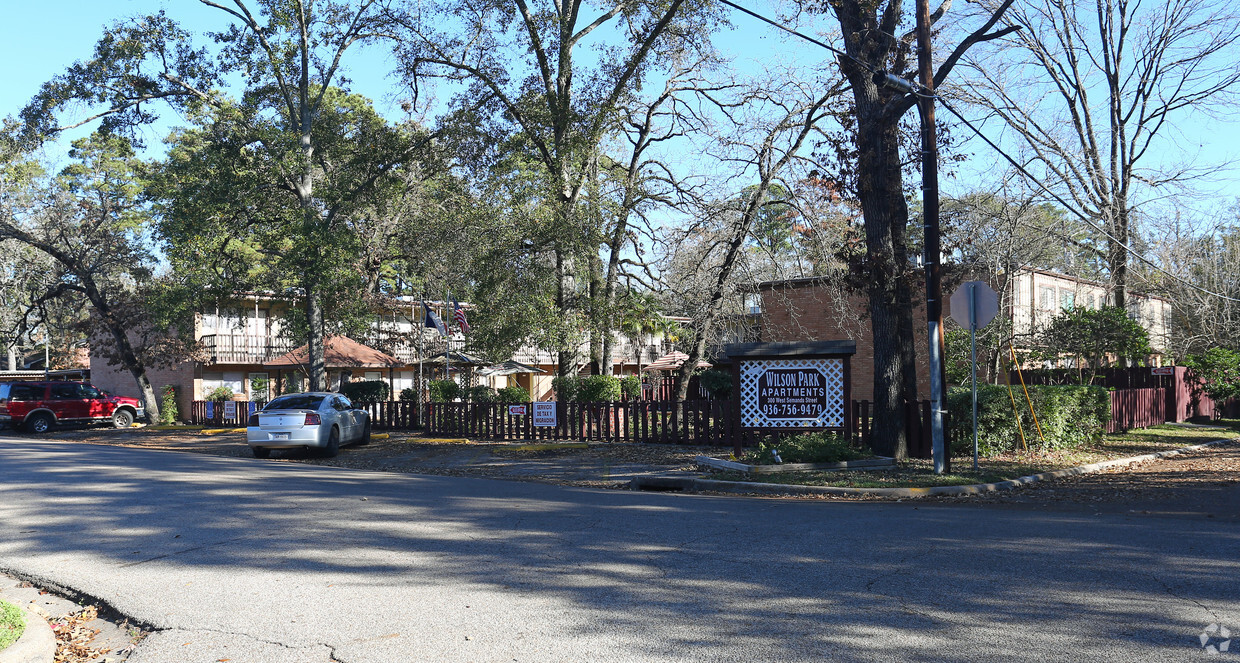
(74, 637)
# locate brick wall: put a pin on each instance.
(817, 311)
(117, 380)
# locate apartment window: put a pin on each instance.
(230, 379)
(1046, 298)
(1067, 300)
(260, 387)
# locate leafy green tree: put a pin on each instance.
(547, 109)
(1093, 337)
(90, 222)
(1219, 371)
(228, 229)
(287, 55)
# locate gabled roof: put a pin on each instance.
(672, 361)
(340, 352)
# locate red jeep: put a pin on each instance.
(40, 405)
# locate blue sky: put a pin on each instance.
(40, 39)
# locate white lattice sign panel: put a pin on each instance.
(792, 393)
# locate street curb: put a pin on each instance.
(881, 462)
(37, 644)
(221, 431)
(693, 484)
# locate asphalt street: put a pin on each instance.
(251, 561)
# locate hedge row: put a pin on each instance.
(1070, 417)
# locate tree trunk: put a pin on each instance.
(886, 214)
(129, 358)
(315, 350)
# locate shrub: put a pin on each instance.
(409, 394)
(366, 391)
(479, 394)
(260, 388)
(717, 383)
(631, 386)
(599, 388)
(565, 388)
(168, 405)
(219, 394)
(1219, 372)
(818, 447)
(443, 391)
(513, 394)
(1070, 417)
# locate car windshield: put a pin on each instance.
(295, 402)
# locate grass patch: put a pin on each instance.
(12, 623)
(918, 473)
(805, 448)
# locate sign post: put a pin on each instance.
(974, 304)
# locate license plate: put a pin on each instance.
(279, 436)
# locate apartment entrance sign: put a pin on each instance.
(792, 387)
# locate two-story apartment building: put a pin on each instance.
(820, 308)
(246, 350)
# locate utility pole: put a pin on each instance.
(930, 221)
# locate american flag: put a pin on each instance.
(458, 313)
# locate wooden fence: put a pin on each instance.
(211, 413)
(1183, 394)
(697, 422)
(387, 415)
(1137, 408)
(690, 422)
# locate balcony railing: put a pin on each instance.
(244, 349)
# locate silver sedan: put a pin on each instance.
(322, 421)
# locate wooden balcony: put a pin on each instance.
(243, 349)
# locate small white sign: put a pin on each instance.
(516, 410)
(1162, 370)
(544, 414)
(230, 409)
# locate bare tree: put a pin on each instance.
(641, 183)
(763, 150)
(1205, 295)
(876, 40)
(1094, 91)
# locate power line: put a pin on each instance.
(806, 37)
(915, 89)
(1079, 214)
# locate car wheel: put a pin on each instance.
(122, 419)
(261, 452)
(333, 444)
(365, 439)
(39, 423)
